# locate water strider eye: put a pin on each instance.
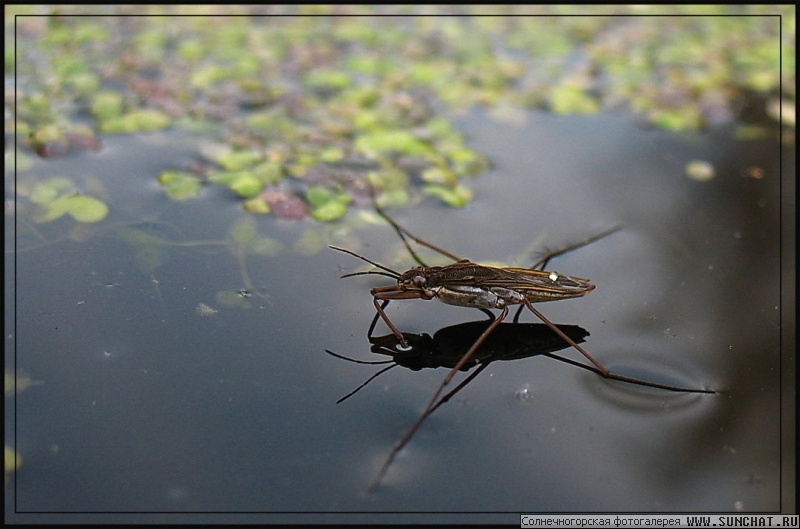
(419, 281)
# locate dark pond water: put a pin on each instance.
(147, 405)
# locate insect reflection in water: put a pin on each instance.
(509, 341)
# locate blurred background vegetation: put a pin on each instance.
(343, 100)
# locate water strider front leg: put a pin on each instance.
(388, 322)
(395, 292)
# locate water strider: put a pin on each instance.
(467, 284)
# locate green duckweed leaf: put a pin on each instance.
(384, 141)
(106, 105)
(82, 208)
(238, 160)
(46, 133)
(458, 196)
(329, 211)
(180, 185)
(47, 191)
(319, 195)
(328, 205)
(331, 154)
(439, 175)
(269, 172)
(333, 79)
(147, 120)
(465, 161)
(256, 205)
(246, 185)
(572, 99)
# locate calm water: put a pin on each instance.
(149, 406)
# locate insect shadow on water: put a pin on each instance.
(509, 341)
(467, 284)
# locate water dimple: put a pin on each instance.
(107, 354)
(641, 396)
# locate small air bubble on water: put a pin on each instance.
(523, 394)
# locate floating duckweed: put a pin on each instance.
(676, 119)
(82, 208)
(84, 83)
(386, 141)
(302, 162)
(205, 76)
(388, 179)
(440, 127)
(318, 195)
(106, 105)
(46, 133)
(191, 50)
(331, 154)
(458, 196)
(329, 211)
(333, 79)
(297, 170)
(272, 123)
(572, 99)
(147, 120)
(700, 171)
(246, 185)
(67, 66)
(237, 160)
(366, 120)
(439, 175)
(256, 205)
(365, 96)
(46, 192)
(180, 185)
(465, 161)
(393, 198)
(269, 172)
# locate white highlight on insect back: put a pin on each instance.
(553, 276)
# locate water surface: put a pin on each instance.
(151, 405)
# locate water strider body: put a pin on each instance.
(467, 284)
